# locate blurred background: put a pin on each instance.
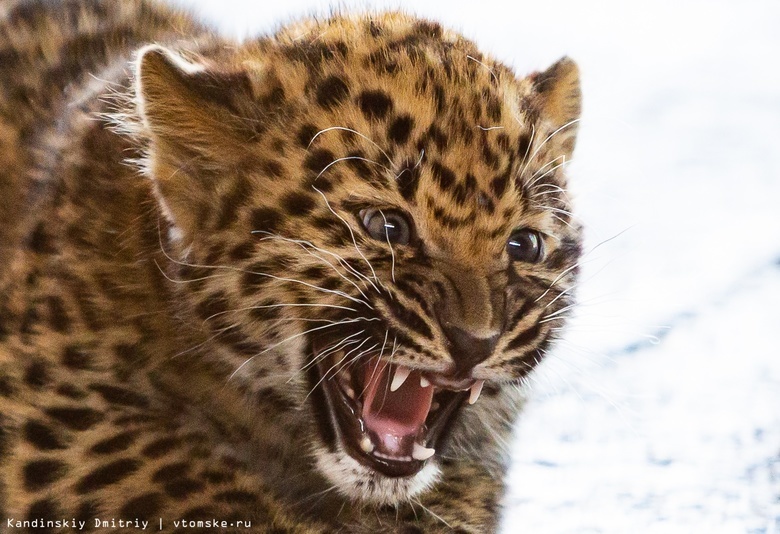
(660, 412)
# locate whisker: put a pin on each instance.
(373, 374)
(352, 235)
(557, 279)
(326, 373)
(432, 513)
(336, 367)
(540, 190)
(280, 305)
(419, 160)
(475, 60)
(307, 284)
(347, 158)
(561, 219)
(528, 161)
(330, 350)
(607, 240)
(554, 315)
(342, 261)
(392, 253)
(344, 129)
(274, 277)
(357, 357)
(303, 244)
(295, 336)
(292, 280)
(538, 175)
(381, 352)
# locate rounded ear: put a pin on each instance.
(558, 99)
(192, 116)
(188, 105)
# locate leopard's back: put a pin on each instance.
(78, 412)
(49, 52)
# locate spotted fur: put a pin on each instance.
(182, 220)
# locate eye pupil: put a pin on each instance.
(525, 245)
(388, 226)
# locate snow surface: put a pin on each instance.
(660, 412)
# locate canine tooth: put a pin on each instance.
(476, 389)
(401, 374)
(350, 392)
(422, 453)
(424, 382)
(434, 406)
(366, 444)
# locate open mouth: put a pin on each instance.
(389, 417)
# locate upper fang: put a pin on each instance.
(476, 389)
(401, 374)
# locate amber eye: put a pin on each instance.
(390, 226)
(525, 245)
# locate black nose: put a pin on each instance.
(466, 349)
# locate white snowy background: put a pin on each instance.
(661, 410)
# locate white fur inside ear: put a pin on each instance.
(179, 62)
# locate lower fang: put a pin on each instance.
(366, 445)
(422, 453)
(350, 392)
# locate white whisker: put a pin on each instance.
(557, 279)
(475, 60)
(295, 336)
(304, 244)
(533, 155)
(352, 234)
(281, 305)
(347, 158)
(330, 350)
(392, 254)
(432, 513)
(342, 128)
(326, 373)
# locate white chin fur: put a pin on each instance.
(359, 483)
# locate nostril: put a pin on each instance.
(466, 349)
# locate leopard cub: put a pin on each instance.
(294, 282)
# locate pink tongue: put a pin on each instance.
(394, 417)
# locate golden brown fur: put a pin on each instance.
(180, 227)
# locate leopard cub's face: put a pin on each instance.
(372, 224)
